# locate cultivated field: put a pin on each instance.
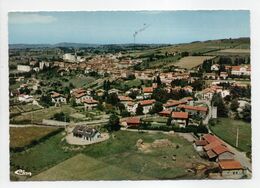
(227, 130)
(86, 168)
(39, 115)
(192, 61)
(23, 136)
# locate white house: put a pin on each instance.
(57, 98)
(25, 98)
(214, 67)
(231, 169)
(90, 104)
(24, 68)
(240, 70)
(147, 105)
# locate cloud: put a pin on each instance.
(29, 18)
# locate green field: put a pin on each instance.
(115, 159)
(227, 130)
(28, 136)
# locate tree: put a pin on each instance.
(61, 117)
(125, 113)
(160, 94)
(158, 81)
(169, 121)
(73, 102)
(246, 113)
(139, 110)
(158, 107)
(46, 100)
(112, 99)
(217, 101)
(234, 105)
(113, 124)
(197, 85)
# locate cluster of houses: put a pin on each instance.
(213, 149)
(238, 70)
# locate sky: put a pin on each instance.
(118, 27)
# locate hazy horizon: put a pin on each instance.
(122, 27)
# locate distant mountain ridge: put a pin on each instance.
(86, 45)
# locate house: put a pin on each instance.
(147, 105)
(207, 94)
(180, 118)
(223, 75)
(188, 89)
(165, 113)
(173, 104)
(90, 104)
(240, 70)
(24, 68)
(188, 100)
(214, 67)
(210, 76)
(147, 92)
(231, 169)
(192, 110)
(133, 121)
(100, 92)
(57, 98)
(131, 107)
(125, 99)
(25, 98)
(113, 90)
(199, 144)
(80, 95)
(86, 133)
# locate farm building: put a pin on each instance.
(231, 169)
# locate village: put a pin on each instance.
(91, 95)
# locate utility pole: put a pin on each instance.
(237, 137)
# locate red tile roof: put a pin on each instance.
(124, 98)
(90, 101)
(146, 102)
(212, 145)
(78, 95)
(180, 115)
(220, 149)
(230, 165)
(148, 89)
(55, 94)
(165, 112)
(210, 138)
(211, 154)
(196, 108)
(133, 121)
(201, 142)
(173, 103)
